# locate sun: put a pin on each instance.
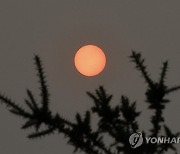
(90, 60)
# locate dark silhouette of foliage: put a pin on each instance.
(118, 122)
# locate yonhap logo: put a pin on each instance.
(136, 140)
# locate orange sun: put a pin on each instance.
(90, 60)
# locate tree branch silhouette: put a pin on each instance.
(118, 122)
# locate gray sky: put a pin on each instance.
(55, 29)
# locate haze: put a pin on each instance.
(55, 30)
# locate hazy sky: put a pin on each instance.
(55, 29)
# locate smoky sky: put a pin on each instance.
(56, 29)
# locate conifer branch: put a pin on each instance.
(173, 89)
(44, 88)
(13, 107)
(117, 121)
(155, 95)
(42, 133)
(139, 61)
(32, 103)
(163, 73)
